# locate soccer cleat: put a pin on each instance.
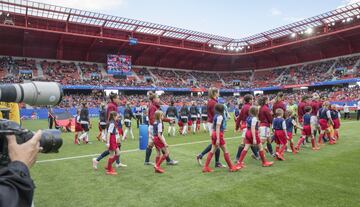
(255, 157)
(198, 159)
(158, 169)
(240, 165)
(111, 172)
(148, 163)
(172, 162)
(94, 164)
(267, 164)
(279, 156)
(219, 165)
(120, 165)
(207, 170)
(234, 168)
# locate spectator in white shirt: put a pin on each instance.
(346, 111)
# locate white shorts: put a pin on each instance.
(209, 126)
(243, 133)
(264, 132)
(314, 123)
(150, 130)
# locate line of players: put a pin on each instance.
(254, 120)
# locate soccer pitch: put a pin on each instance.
(329, 177)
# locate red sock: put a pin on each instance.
(292, 147)
(301, 140)
(313, 143)
(76, 139)
(227, 159)
(262, 156)
(242, 156)
(208, 159)
(161, 160)
(320, 138)
(157, 158)
(282, 149)
(110, 162)
(277, 148)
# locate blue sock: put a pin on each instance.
(104, 154)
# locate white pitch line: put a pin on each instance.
(135, 150)
(127, 151)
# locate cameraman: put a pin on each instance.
(16, 185)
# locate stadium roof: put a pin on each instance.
(223, 44)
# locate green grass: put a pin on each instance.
(329, 177)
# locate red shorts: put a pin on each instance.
(336, 123)
(306, 130)
(189, 123)
(243, 126)
(249, 138)
(78, 128)
(323, 124)
(180, 124)
(289, 135)
(280, 137)
(198, 121)
(213, 138)
(120, 131)
(158, 143)
(113, 144)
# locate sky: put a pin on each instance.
(229, 18)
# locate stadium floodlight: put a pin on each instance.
(343, 21)
(209, 45)
(8, 14)
(358, 16)
(333, 24)
(349, 19)
(248, 47)
(293, 35)
(309, 31)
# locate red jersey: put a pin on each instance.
(211, 109)
(279, 105)
(244, 113)
(265, 116)
(112, 106)
(315, 105)
(152, 109)
(151, 114)
(301, 109)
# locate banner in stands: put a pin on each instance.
(139, 88)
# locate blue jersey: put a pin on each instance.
(237, 112)
(289, 125)
(334, 114)
(119, 123)
(157, 128)
(306, 119)
(111, 127)
(323, 113)
(145, 120)
(278, 124)
(219, 119)
(249, 121)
